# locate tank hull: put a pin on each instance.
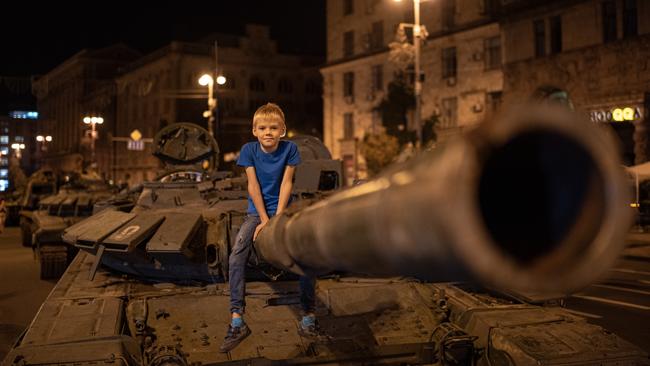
(367, 321)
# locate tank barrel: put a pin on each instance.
(534, 200)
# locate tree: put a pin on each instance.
(429, 135)
(379, 150)
(394, 108)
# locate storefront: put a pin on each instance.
(628, 122)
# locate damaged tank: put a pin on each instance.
(75, 201)
(40, 184)
(148, 286)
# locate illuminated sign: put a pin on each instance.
(23, 114)
(617, 114)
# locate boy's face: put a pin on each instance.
(268, 133)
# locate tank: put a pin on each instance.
(40, 184)
(75, 201)
(148, 286)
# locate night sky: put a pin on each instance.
(36, 37)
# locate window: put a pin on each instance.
(348, 44)
(4, 150)
(556, 34)
(253, 104)
(4, 139)
(377, 78)
(493, 53)
(539, 31)
(448, 14)
(256, 84)
(449, 113)
(377, 35)
(4, 173)
(409, 13)
(348, 7)
(493, 101)
(285, 86)
(312, 87)
(4, 184)
(630, 26)
(449, 62)
(609, 21)
(348, 126)
(348, 84)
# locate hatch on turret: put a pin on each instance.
(188, 147)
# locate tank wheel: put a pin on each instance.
(53, 260)
(26, 234)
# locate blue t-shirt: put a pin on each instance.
(269, 169)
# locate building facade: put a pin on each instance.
(460, 62)
(79, 87)
(19, 149)
(162, 88)
(595, 51)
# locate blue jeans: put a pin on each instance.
(237, 271)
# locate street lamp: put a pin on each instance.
(419, 31)
(41, 138)
(92, 121)
(207, 80)
(41, 143)
(18, 147)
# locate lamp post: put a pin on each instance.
(93, 121)
(43, 141)
(419, 31)
(207, 80)
(18, 148)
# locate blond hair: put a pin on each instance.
(269, 112)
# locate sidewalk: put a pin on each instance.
(638, 245)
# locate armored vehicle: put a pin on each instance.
(74, 202)
(39, 185)
(147, 287)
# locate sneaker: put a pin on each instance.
(234, 336)
(311, 332)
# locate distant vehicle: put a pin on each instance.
(40, 184)
(75, 201)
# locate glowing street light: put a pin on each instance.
(207, 80)
(92, 121)
(18, 148)
(43, 140)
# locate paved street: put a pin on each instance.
(21, 290)
(621, 303)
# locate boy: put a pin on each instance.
(270, 165)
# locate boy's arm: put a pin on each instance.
(285, 188)
(255, 192)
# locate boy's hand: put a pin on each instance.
(258, 229)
